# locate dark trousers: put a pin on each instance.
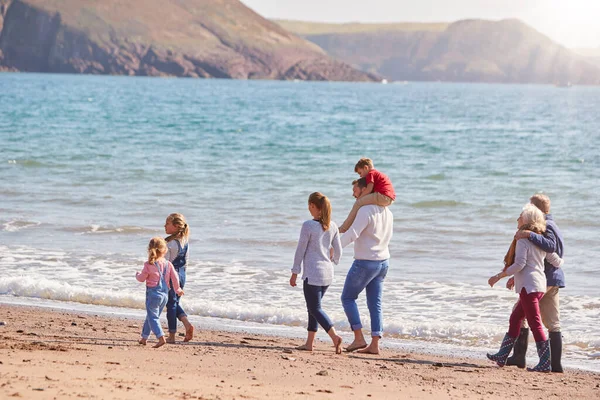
(174, 310)
(316, 315)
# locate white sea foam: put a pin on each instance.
(18, 225)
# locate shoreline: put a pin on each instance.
(48, 353)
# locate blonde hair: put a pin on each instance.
(533, 219)
(157, 248)
(183, 230)
(324, 206)
(363, 162)
(541, 201)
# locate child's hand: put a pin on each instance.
(293, 280)
(180, 292)
(510, 284)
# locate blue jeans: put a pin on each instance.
(174, 310)
(370, 275)
(155, 302)
(313, 295)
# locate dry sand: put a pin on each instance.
(52, 354)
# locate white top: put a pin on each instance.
(313, 253)
(371, 231)
(528, 267)
(173, 250)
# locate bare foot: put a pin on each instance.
(161, 342)
(338, 345)
(355, 346)
(170, 339)
(142, 341)
(189, 333)
(304, 347)
(369, 350)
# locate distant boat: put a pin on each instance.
(384, 81)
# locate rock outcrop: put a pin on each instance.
(506, 51)
(187, 38)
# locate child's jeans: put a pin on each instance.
(313, 295)
(174, 310)
(372, 198)
(155, 302)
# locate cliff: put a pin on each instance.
(506, 51)
(190, 38)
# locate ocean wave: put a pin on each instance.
(436, 177)
(98, 229)
(17, 225)
(30, 163)
(419, 323)
(437, 204)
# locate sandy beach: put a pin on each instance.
(53, 354)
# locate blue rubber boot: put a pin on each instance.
(505, 349)
(543, 349)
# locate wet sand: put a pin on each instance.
(53, 354)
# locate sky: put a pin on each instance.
(572, 23)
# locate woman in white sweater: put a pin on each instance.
(317, 237)
(530, 284)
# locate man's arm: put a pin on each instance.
(359, 225)
(545, 242)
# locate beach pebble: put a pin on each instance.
(2, 323)
(323, 373)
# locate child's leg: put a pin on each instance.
(363, 201)
(382, 200)
(145, 331)
(172, 303)
(154, 307)
(160, 336)
(146, 326)
(180, 313)
(336, 339)
(311, 296)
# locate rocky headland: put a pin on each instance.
(506, 51)
(185, 38)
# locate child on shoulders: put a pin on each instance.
(379, 188)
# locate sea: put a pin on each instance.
(90, 167)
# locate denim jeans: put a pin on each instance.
(365, 274)
(155, 302)
(313, 295)
(174, 310)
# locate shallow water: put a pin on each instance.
(90, 166)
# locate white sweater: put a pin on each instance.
(528, 267)
(371, 231)
(312, 253)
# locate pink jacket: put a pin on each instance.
(151, 274)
